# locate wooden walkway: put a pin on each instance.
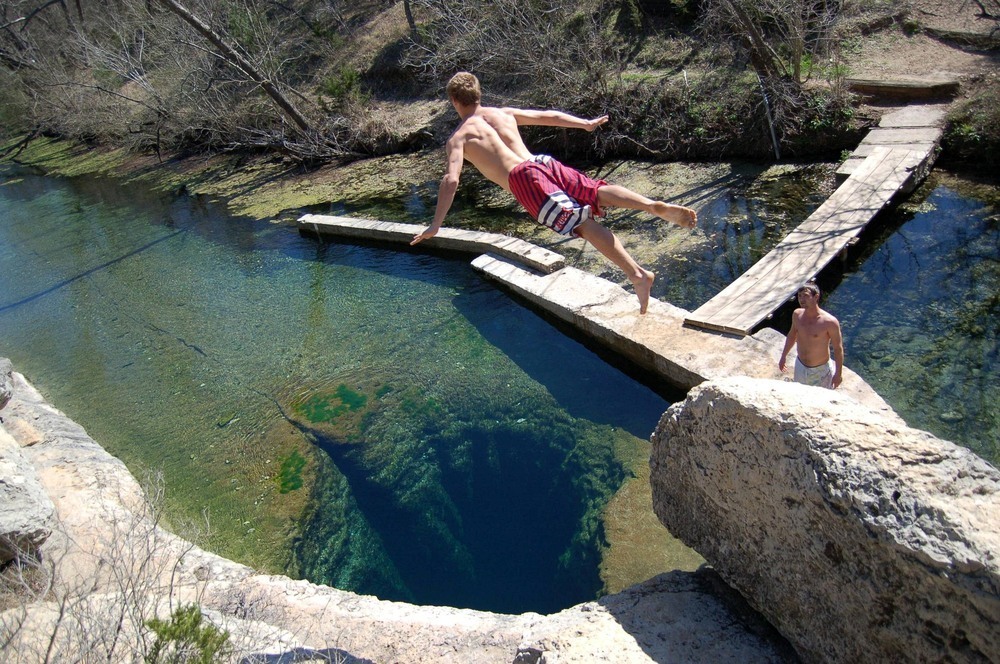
(916, 127)
(894, 157)
(762, 289)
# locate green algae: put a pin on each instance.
(70, 159)
(290, 476)
(325, 408)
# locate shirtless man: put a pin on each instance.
(559, 197)
(813, 331)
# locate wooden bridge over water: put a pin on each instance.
(893, 158)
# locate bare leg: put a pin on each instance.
(606, 243)
(614, 195)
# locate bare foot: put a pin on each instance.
(643, 285)
(684, 217)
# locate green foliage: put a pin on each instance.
(343, 87)
(825, 112)
(241, 25)
(973, 131)
(628, 22)
(290, 476)
(184, 640)
(107, 79)
(14, 105)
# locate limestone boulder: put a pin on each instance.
(6, 381)
(25, 509)
(859, 538)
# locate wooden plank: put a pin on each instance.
(865, 150)
(736, 290)
(809, 248)
(814, 244)
(901, 135)
(984, 40)
(904, 89)
(846, 169)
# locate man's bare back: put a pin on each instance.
(482, 145)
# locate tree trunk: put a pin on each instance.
(237, 60)
(409, 18)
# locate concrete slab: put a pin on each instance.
(657, 341)
(920, 115)
(453, 239)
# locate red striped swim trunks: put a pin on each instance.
(555, 195)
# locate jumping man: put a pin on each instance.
(557, 196)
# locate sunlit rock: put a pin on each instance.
(25, 508)
(861, 540)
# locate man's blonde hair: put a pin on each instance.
(464, 88)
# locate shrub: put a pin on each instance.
(972, 135)
(184, 640)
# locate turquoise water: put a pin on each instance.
(387, 421)
(383, 421)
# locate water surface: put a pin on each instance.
(920, 310)
(382, 421)
(387, 421)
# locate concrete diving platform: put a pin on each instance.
(454, 239)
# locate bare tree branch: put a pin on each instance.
(235, 58)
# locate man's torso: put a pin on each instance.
(813, 341)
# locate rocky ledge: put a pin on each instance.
(860, 539)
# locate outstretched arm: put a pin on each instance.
(554, 119)
(446, 190)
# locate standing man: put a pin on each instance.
(814, 331)
(557, 196)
